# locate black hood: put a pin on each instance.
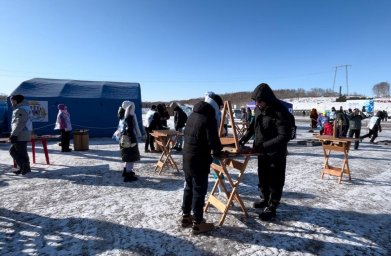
(264, 92)
(204, 108)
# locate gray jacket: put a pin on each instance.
(21, 124)
(355, 121)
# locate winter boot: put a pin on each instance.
(261, 204)
(124, 172)
(187, 221)
(17, 172)
(129, 177)
(25, 169)
(268, 214)
(202, 227)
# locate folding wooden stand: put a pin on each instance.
(329, 144)
(241, 128)
(165, 139)
(222, 174)
(232, 143)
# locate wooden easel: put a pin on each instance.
(228, 141)
(331, 144)
(165, 139)
(230, 189)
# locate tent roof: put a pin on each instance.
(44, 87)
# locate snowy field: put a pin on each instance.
(79, 205)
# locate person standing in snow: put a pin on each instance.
(374, 127)
(128, 126)
(271, 129)
(201, 138)
(21, 129)
(180, 119)
(314, 119)
(355, 125)
(151, 122)
(164, 115)
(63, 123)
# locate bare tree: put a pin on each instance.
(381, 89)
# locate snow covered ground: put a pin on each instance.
(79, 205)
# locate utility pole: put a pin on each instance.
(347, 77)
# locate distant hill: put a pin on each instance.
(241, 98)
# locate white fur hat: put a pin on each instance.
(126, 104)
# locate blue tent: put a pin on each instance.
(93, 105)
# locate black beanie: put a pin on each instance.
(217, 99)
(18, 98)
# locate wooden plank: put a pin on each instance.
(160, 164)
(334, 148)
(217, 203)
(217, 167)
(227, 140)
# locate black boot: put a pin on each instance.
(25, 169)
(261, 204)
(268, 214)
(129, 177)
(17, 172)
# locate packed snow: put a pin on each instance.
(79, 205)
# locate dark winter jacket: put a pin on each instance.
(271, 126)
(200, 139)
(355, 121)
(156, 123)
(131, 154)
(180, 118)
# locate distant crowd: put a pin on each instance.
(342, 123)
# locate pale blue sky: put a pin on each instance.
(178, 49)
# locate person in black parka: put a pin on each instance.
(271, 130)
(151, 122)
(129, 126)
(201, 141)
(180, 119)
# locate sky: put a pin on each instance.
(179, 50)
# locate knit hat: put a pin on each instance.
(18, 98)
(61, 106)
(217, 99)
(125, 104)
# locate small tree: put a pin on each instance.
(381, 89)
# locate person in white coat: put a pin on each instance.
(63, 123)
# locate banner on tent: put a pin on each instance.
(40, 110)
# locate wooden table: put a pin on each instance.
(332, 144)
(220, 167)
(166, 140)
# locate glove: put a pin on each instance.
(219, 154)
(13, 139)
(242, 143)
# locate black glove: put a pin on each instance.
(13, 139)
(242, 142)
(220, 154)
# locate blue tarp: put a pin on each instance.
(93, 105)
